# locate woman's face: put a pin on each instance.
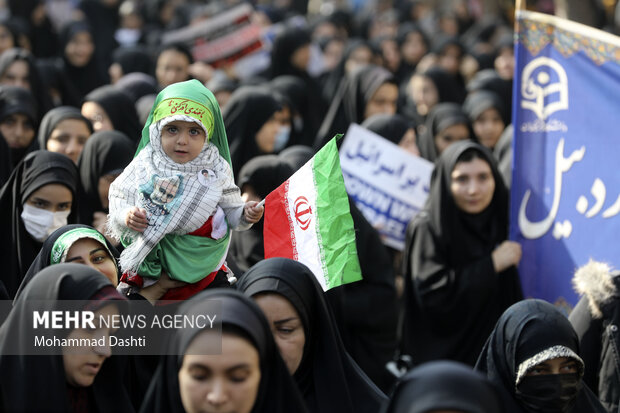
(449, 135)
(488, 127)
(172, 67)
(104, 188)
(82, 364)
(424, 93)
(89, 252)
(414, 48)
(333, 53)
(52, 198)
(226, 382)
(97, 116)
(559, 365)
(17, 74)
(286, 326)
(6, 39)
(116, 72)
(409, 142)
(18, 130)
(450, 59)
(472, 185)
(68, 138)
(383, 101)
(359, 58)
(80, 49)
(301, 58)
(266, 135)
(505, 63)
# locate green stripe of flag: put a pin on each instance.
(334, 222)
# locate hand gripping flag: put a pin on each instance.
(307, 219)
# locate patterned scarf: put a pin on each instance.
(178, 198)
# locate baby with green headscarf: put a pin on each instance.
(174, 206)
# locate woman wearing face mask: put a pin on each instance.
(79, 244)
(460, 271)
(533, 353)
(247, 376)
(304, 329)
(64, 130)
(444, 386)
(252, 118)
(38, 198)
(86, 381)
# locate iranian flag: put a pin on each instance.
(307, 219)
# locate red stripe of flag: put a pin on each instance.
(279, 235)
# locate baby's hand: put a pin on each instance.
(252, 212)
(136, 219)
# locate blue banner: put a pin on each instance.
(565, 196)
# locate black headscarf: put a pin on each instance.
(14, 100)
(8, 57)
(349, 105)
(276, 393)
(105, 152)
(54, 117)
(248, 109)
(444, 385)
(119, 108)
(296, 91)
(296, 156)
(86, 78)
(329, 379)
(45, 373)
(442, 116)
(479, 101)
(524, 330)
(137, 85)
(285, 45)
(448, 90)
(133, 59)
(43, 258)
(18, 249)
(488, 79)
(391, 127)
(332, 79)
(404, 30)
(264, 174)
(452, 295)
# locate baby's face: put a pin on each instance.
(182, 141)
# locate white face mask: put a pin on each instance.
(282, 138)
(41, 223)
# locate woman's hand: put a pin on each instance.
(252, 212)
(507, 254)
(136, 219)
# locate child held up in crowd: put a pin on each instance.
(174, 206)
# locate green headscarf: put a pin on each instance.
(190, 98)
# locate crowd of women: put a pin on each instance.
(439, 327)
